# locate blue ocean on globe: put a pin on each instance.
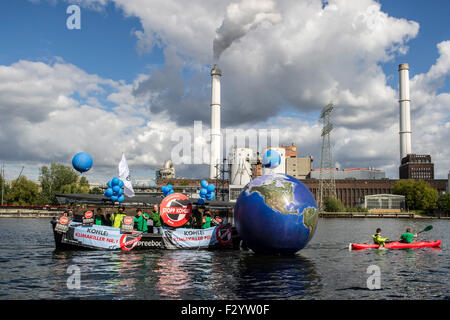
(276, 213)
(271, 159)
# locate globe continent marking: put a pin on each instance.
(276, 214)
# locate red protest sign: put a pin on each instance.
(176, 209)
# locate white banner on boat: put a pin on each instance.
(98, 236)
(197, 238)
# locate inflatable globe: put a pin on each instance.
(82, 162)
(276, 213)
(271, 159)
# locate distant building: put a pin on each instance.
(352, 192)
(448, 183)
(417, 166)
(167, 172)
(299, 168)
(291, 151)
(384, 201)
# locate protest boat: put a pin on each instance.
(85, 235)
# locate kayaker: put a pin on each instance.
(407, 237)
(377, 239)
(117, 217)
(206, 220)
(157, 220)
(99, 218)
(141, 220)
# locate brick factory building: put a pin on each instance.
(417, 166)
(351, 192)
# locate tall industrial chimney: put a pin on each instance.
(214, 165)
(405, 118)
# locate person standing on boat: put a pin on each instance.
(407, 237)
(117, 217)
(141, 220)
(377, 239)
(99, 218)
(190, 223)
(157, 220)
(108, 221)
(206, 220)
(198, 217)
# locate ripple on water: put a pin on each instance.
(325, 269)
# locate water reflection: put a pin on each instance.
(276, 277)
(324, 270)
(172, 277)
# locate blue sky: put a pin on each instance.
(105, 44)
(433, 17)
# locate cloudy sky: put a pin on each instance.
(138, 70)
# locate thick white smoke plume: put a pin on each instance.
(240, 19)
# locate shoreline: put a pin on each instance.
(28, 213)
(327, 215)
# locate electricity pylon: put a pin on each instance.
(327, 185)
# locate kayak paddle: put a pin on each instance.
(426, 229)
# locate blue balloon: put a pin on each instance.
(115, 181)
(164, 189)
(203, 191)
(202, 195)
(169, 186)
(171, 191)
(120, 192)
(113, 198)
(204, 183)
(210, 188)
(109, 184)
(201, 201)
(116, 189)
(120, 183)
(109, 192)
(209, 196)
(121, 198)
(82, 162)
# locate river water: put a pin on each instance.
(30, 268)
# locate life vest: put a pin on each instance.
(377, 239)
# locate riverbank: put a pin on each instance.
(28, 213)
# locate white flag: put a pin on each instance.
(124, 175)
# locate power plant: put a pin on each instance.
(351, 185)
(405, 110)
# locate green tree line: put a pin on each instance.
(57, 178)
(419, 195)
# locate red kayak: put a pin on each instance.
(397, 245)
